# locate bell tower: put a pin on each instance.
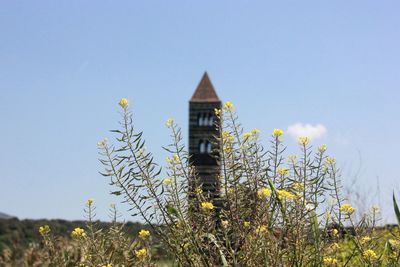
(203, 130)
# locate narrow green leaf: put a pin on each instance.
(396, 209)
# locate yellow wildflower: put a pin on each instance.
(370, 254)
(283, 194)
(168, 182)
(198, 191)
(335, 246)
(227, 137)
(144, 234)
(141, 253)
(228, 105)
(169, 123)
(255, 131)
(89, 202)
(78, 232)
(264, 192)
(108, 265)
(261, 229)
(44, 230)
(247, 136)
(246, 224)
(283, 171)
(102, 143)
(298, 186)
(365, 239)
(322, 148)
(330, 261)
(228, 149)
(207, 206)
(335, 233)
(124, 102)
(394, 243)
(277, 132)
(304, 140)
(347, 208)
(218, 112)
(330, 161)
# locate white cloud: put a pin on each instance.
(312, 131)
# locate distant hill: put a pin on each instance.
(5, 216)
(15, 233)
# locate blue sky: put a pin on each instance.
(65, 64)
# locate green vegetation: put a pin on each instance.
(275, 209)
(18, 235)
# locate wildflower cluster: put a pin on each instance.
(266, 207)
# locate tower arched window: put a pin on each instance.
(202, 147)
(210, 120)
(205, 120)
(200, 120)
(209, 147)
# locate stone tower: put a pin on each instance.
(203, 130)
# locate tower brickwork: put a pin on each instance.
(203, 145)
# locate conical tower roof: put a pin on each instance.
(205, 91)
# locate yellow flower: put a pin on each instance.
(255, 131)
(394, 243)
(207, 206)
(283, 194)
(298, 186)
(124, 102)
(228, 105)
(89, 202)
(370, 254)
(141, 253)
(335, 233)
(365, 239)
(102, 143)
(246, 224)
(330, 161)
(330, 261)
(144, 234)
(168, 182)
(169, 123)
(228, 150)
(198, 191)
(261, 229)
(247, 136)
(335, 246)
(44, 230)
(228, 137)
(322, 148)
(277, 132)
(218, 112)
(108, 265)
(347, 208)
(304, 140)
(78, 232)
(264, 192)
(283, 171)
